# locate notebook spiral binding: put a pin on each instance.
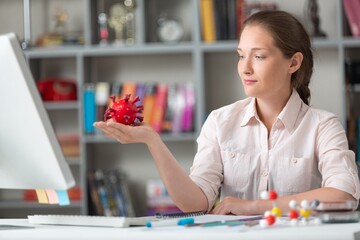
(180, 214)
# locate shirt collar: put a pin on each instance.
(291, 111)
(250, 112)
(287, 116)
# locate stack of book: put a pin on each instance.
(73, 193)
(167, 107)
(158, 199)
(222, 19)
(70, 144)
(109, 194)
(337, 212)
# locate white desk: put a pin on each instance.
(328, 231)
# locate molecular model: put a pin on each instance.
(125, 111)
(295, 215)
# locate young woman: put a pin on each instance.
(272, 140)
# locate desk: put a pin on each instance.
(328, 231)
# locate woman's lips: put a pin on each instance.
(249, 81)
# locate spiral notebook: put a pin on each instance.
(106, 221)
(159, 215)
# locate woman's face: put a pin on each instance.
(263, 69)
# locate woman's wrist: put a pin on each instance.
(261, 206)
(152, 138)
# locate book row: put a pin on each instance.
(167, 107)
(158, 199)
(109, 194)
(222, 19)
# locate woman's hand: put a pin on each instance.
(235, 206)
(126, 134)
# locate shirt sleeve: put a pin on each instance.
(336, 162)
(206, 170)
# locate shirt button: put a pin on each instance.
(232, 155)
(265, 173)
(294, 160)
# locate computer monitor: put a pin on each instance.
(30, 154)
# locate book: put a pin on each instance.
(149, 102)
(96, 206)
(116, 88)
(188, 113)
(119, 203)
(123, 187)
(207, 20)
(159, 107)
(240, 16)
(109, 194)
(337, 212)
(140, 92)
(231, 9)
(352, 9)
(89, 108)
(70, 144)
(170, 107)
(112, 194)
(102, 192)
(102, 90)
(128, 88)
(95, 221)
(158, 199)
(179, 106)
(221, 19)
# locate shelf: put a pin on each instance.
(53, 52)
(66, 105)
(73, 161)
(168, 137)
(160, 48)
(150, 48)
(220, 46)
(351, 42)
(210, 66)
(24, 205)
(319, 43)
(354, 88)
(97, 50)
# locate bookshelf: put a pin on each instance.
(212, 68)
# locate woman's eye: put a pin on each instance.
(259, 57)
(241, 57)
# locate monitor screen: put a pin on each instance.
(30, 154)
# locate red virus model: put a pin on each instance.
(125, 111)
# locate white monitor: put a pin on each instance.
(30, 154)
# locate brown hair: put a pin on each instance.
(290, 37)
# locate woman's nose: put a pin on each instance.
(245, 66)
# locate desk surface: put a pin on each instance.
(325, 231)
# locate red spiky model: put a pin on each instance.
(125, 111)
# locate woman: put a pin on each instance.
(272, 140)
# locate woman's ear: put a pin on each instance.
(296, 61)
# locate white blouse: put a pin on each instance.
(307, 149)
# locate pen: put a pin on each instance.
(231, 223)
(170, 222)
(247, 222)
